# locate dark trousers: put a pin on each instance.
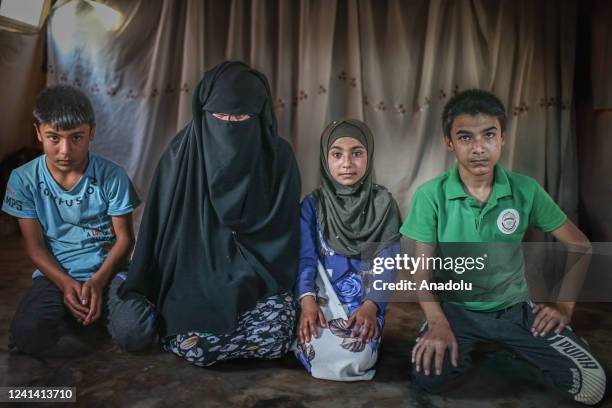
(42, 318)
(565, 359)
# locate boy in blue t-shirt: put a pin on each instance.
(74, 210)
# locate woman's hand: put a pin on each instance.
(311, 315)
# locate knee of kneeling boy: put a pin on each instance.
(432, 383)
(133, 331)
(133, 338)
(29, 336)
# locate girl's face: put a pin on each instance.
(347, 160)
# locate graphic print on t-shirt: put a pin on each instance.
(76, 223)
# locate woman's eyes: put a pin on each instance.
(222, 116)
(232, 117)
(240, 117)
(357, 153)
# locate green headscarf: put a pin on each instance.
(363, 213)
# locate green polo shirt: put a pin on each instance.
(443, 213)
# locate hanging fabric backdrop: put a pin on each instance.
(596, 142)
(21, 60)
(392, 64)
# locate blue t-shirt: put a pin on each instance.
(76, 223)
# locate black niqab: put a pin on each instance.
(221, 226)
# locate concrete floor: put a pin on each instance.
(107, 376)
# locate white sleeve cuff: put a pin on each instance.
(314, 295)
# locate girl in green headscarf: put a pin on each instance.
(346, 221)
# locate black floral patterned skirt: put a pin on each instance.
(264, 332)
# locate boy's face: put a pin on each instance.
(477, 141)
(66, 150)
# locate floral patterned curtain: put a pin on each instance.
(391, 63)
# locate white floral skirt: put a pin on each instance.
(336, 354)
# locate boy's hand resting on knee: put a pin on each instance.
(364, 319)
(549, 316)
(310, 315)
(433, 343)
(72, 298)
(91, 296)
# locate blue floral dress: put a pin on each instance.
(334, 278)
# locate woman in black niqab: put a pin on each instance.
(218, 243)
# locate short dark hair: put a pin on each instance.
(63, 107)
(473, 102)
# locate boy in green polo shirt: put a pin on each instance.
(478, 201)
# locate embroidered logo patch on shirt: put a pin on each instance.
(508, 220)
